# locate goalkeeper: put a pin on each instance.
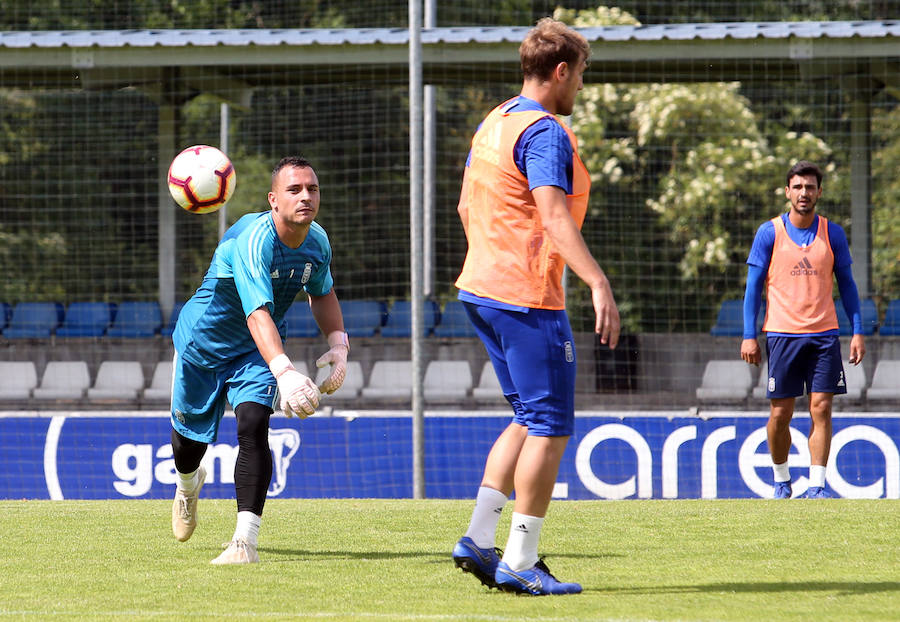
(229, 348)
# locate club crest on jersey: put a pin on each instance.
(307, 272)
(274, 273)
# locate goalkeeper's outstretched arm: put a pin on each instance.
(299, 394)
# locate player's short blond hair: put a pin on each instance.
(548, 44)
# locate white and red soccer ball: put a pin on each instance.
(201, 179)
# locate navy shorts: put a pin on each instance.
(533, 355)
(798, 365)
(199, 395)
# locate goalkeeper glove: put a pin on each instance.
(299, 394)
(336, 357)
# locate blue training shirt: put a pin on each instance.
(251, 268)
(761, 255)
(543, 154)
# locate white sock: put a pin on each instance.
(781, 472)
(816, 476)
(483, 525)
(186, 482)
(522, 546)
(247, 527)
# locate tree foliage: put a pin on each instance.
(885, 202)
(682, 173)
(695, 164)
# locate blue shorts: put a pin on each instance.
(801, 364)
(199, 395)
(533, 355)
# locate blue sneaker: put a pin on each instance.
(782, 490)
(815, 492)
(536, 581)
(480, 562)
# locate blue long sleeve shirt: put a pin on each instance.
(758, 267)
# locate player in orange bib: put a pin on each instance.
(796, 256)
(523, 200)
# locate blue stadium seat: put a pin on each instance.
(869, 317)
(891, 325)
(869, 311)
(5, 314)
(34, 320)
(363, 318)
(299, 321)
(399, 319)
(730, 321)
(169, 328)
(86, 319)
(454, 322)
(136, 320)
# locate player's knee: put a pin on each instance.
(781, 417)
(186, 452)
(820, 406)
(252, 423)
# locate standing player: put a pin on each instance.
(229, 346)
(795, 256)
(524, 198)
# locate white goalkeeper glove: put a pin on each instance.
(299, 394)
(336, 357)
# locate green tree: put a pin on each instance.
(885, 202)
(697, 170)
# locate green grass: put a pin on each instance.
(389, 560)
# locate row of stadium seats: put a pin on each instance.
(39, 320)
(731, 382)
(367, 318)
(123, 383)
(730, 320)
(362, 318)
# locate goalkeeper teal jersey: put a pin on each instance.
(251, 268)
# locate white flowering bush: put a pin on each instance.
(711, 174)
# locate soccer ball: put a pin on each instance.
(201, 179)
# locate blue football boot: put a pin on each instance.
(815, 492)
(536, 581)
(782, 490)
(480, 562)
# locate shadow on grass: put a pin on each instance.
(430, 557)
(303, 554)
(842, 588)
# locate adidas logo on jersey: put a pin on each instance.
(804, 268)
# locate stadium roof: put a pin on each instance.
(400, 36)
(666, 52)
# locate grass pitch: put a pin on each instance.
(390, 560)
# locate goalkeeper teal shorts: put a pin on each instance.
(199, 395)
(533, 354)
